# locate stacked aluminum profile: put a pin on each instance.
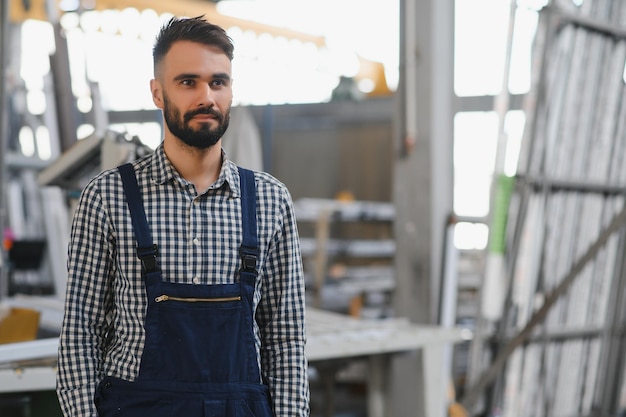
(572, 183)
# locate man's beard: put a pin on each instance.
(202, 138)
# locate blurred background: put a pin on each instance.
(456, 167)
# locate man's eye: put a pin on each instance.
(187, 82)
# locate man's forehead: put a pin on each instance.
(193, 57)
(182, 47)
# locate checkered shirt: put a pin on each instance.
(198, 236)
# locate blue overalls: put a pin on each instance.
(199, 356)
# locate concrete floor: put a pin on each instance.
(349, 401)
(34, 404)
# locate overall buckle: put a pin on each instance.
(248, 259)
(148, 257)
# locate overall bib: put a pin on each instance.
(199, 357)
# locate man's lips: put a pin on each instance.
(204, 117)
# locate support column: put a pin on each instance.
(423, 178)
(4, 43)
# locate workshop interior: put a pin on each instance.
(457, 169)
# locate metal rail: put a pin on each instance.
(493, 371)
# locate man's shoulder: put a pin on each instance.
(268, 187)
(261, 178)
(264, 178)
(110, 178)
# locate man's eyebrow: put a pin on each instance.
(186, 76)
(222, 75)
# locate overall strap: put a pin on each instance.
(147, 251)
(249, 250)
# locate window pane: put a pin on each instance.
(480, 45)
(471, 235)
(523, 35)
(475, 138)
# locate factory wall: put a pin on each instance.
(326, 150)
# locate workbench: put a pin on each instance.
(333, 336)
(30, 366)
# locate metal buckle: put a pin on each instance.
(248, 259)
(148, 258)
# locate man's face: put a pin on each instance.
(202, 136)
(193, 88)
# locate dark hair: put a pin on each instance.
(194, 29)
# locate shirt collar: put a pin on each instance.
(163, 171)
(229, 175)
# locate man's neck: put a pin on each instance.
(201, 167)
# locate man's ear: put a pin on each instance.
(157, 95)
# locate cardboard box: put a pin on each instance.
(18, 325)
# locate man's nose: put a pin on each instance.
(206, 96)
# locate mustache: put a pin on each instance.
(204, 110)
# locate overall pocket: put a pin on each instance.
(114, 401)
(237, 408)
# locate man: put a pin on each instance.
(185, 293)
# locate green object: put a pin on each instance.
(497, 231)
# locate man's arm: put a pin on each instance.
(281, 317)
(88, 299)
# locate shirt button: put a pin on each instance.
(196, 280)
(196, 241)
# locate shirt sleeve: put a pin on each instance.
(281, 317)
(88, 301)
